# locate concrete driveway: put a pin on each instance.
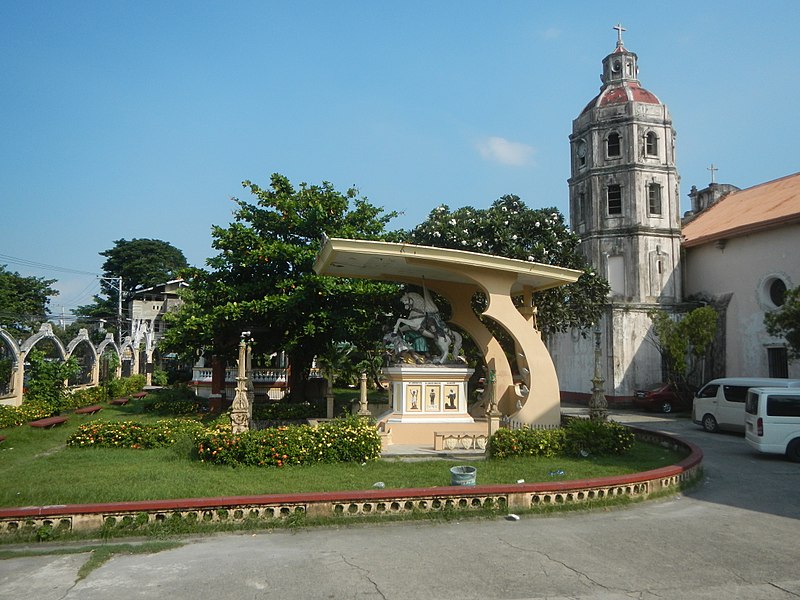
(734, 536)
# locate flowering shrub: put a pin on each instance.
(11, 416)
(131, 434)
(526, 442)
(509, 228)
(348, 439)
(579, 438)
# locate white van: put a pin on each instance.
(719, 404)
(772, 421)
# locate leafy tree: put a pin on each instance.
(509, 228)
(262, 279)
(142, 263)
(785, 321)
(23, 301)
(683, 342)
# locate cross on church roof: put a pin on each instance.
(619, 29)
(713, 170)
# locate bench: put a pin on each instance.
(120, 401)
(139, 395)
(48, 422)
(88, 410)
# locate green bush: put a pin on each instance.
(580, 437)
(120, 388)
(348, 439)
(526, 442)
(286, 411)
(131, 434)
(160, 377)
(84, 397)
(174, 401)
(598, 438)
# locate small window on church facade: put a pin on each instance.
(614, 200)
(613, 147)
(654, 198)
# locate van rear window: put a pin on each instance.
(751, 405)
(783, 406)
(735, 393)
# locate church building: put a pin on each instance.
(624, 198)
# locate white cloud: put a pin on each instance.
(506, 152)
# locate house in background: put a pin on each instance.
(742, 252)
(146, 311)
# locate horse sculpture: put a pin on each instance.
(424, 319)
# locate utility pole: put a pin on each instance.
(119, 306)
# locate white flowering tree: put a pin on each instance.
(509, 228)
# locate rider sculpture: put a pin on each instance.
(425, 324)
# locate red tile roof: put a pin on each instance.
(765, 206)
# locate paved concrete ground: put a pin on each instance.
(734, 537)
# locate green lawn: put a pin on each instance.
(36, 468)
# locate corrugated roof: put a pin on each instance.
(765, 206)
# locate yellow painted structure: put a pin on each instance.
(457, 275)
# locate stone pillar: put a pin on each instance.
(363, 404)
(329, 395)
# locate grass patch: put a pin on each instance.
(36, 468)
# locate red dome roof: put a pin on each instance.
(620, 93)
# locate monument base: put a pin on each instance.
(426, 400)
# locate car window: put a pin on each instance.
(735, 393)
(708, 391)
(783, 406)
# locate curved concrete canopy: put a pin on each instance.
(389, 261)
(457, 275)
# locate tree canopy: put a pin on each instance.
(683, 342)
(262, 279)
(511, 229)
(23, 300)
(785, 321)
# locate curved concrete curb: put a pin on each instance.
(513, 497)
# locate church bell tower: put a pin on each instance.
(625, 207)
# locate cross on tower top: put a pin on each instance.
(619, 29)
(713, 170)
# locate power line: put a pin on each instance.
(30, 263)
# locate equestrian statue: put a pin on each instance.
(423, 326)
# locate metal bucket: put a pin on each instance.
(463, 475)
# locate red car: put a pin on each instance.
(663, 398)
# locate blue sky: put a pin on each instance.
(141, 119)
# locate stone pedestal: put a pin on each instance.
(425, 400)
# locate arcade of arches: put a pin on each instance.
(94, 361)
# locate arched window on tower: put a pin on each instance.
(651, 144)
(613, 147)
